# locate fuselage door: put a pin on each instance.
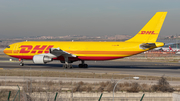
(15, 49)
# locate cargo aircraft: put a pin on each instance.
(42, 52)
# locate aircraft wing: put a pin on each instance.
(58, 52)
(53, 53)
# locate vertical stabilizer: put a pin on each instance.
(149, 33)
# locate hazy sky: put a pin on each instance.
(84, 17)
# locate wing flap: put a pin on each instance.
(58, 52)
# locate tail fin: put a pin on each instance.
(150, 32)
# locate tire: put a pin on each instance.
(80, 65)
(85, 66)
(21, 64)
(69, 66)
(64, 66)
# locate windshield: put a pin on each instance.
(8, 47)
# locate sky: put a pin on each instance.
(22, 18)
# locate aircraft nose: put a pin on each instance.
(5, 51)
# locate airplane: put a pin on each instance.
(67, 52)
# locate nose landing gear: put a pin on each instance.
(21, 62)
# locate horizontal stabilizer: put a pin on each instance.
(151, 45)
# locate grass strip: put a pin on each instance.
(36, 73)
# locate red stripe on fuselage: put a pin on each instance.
(71, 58)
(97, 57)
(105, 52)
(22, 57)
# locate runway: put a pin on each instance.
(115, 67)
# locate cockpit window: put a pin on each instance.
(8, 47)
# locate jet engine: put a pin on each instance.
(41, 59)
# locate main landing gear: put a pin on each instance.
(83, 65)
(67, 65)
(21, 62)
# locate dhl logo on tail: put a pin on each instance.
(148, 32)
(35, 49)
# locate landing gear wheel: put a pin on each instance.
(21, 64)
(83, 66)
(80, 66)
(67, 66)
(64, 66)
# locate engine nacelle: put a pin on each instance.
(41, 59)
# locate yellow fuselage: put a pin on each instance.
(83, 50)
